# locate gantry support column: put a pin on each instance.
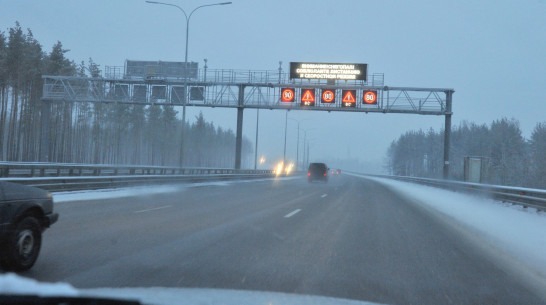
(239, 137)
(447, 132)
(44, 141)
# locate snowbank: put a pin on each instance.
(11, 283)
(513, 230)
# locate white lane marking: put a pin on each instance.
(292, 213)
(324, 195)
(278, 236)
(154, 209)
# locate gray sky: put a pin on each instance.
(493, 53)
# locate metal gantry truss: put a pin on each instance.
(249, 89)
(261, 90)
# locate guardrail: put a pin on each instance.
(526, 197)
(63, 176)
(39, 169)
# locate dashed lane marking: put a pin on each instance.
(154, 209)
(292, 213)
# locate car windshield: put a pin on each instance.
(391, 152)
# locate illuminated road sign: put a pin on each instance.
(309, 70)
(328, 96)
(308, 97)
(348, 98)
(288, 95)
(369, 97)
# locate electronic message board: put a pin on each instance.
(333, 71)
(288, 95)
(197, 93)
(139, 93)
(328, 95)
(308, 97)
(348, 98)
(369, 97)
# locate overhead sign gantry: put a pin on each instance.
(308, 86)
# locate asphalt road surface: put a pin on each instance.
(349, 238)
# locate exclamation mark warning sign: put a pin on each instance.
(308, 97)
(348, 98)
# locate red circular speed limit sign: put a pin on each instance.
(328, 96)
(370, 97)
(287, 95)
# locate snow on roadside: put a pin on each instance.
(516, 231)
(143, 190)
(113, 193)
(11, 283)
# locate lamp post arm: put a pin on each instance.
(223, 3)
(169, 4)
(186, 93)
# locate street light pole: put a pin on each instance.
(285, 127)
(256, 144)
(186, 93)
(298, 148)
(298, 142)
(304, 143)
(306, 152)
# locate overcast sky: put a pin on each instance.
(493, 53)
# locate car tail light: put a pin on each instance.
(309, 174)
(324, 174)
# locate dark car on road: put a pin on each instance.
(317, 171)
(25, 212)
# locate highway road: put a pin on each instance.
(350, 238)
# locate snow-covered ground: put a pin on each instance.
(511, 233)
(12, 284)
(144, 190)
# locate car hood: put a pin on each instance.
(11, 284)
(202, 296)
(16, 191)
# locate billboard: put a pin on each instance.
(330, 71)
(159, 69)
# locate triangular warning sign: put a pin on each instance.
(308, 96)
(349, 97)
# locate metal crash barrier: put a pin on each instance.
(526, 197)
(64, 176)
